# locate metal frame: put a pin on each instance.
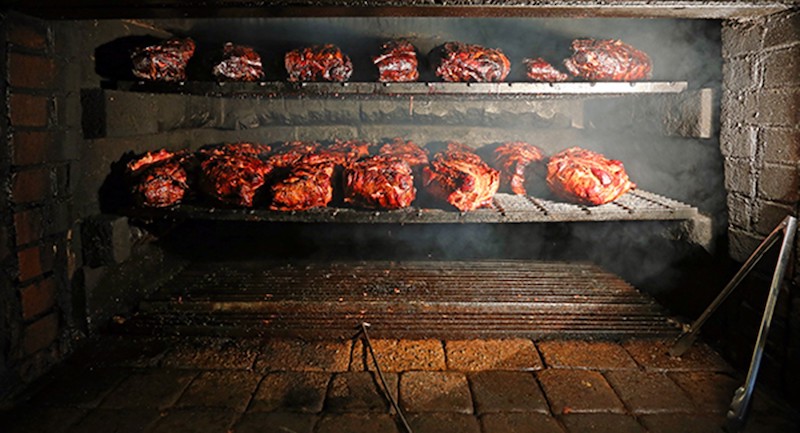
(741, 400)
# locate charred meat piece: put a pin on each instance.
(159, 179)
(512, 159)
(607, 60)
(352, 150)
(379, 182)
(540, 70)
(242, 148)
(459, 62)
(455, 146)
(318, 63)
(239, 63)
(461, 179)
(291, 152)
(407, 151)
(305, 186)
(163, 62)
(587, 177)
(397, 63)
(233, 178)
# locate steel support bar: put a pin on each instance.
(689, 335)
(741, 399)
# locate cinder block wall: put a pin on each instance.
(760, 140)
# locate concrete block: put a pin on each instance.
(106, 240)
(739, 211)
(782, 29)
(778, 107)
(302, 111)
(782, 68)
(739, 142)
(733, 113)
(741, 38)
(739, 74)
(780, 145)
(396, 110)
(739, 176)
(767, 215)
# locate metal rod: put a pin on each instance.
(689, 335)
(364, 326)
(741, 399)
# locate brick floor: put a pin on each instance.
(291, 391)
(649, 392)
(575, 391)
(400, 355)
(444, 422)
(507, 391)
(520, 423)
(157, 389)
(653, 355)
(593, 355)
(221, 388)
(489, 386)
(298, 355)
(359, 391)
(434, 391)
(601, 423)
(275, 422)
(476, 355)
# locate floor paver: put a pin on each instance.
(81, 387)
(507, 391)
(275, 422)
(576, 391)
(41, 419)
(212, 354)
(399, 355)
(300, 355)
(360, 391)
(357, 423)
(195, 421)
(653, 355)
(711, 392)
(683, 423)
(435, 391)
(649, 392)
(444, 422)
(220, 388)
(291, 391)
(117, 421)
(601, 423)
(520, 422)
(594, 355)
(157, 389)
(507, 354)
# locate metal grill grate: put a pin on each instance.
(409, 299)
(636, 205)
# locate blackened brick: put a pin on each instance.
(357, 423)
(779, 183)
(601, 423)
(276, 422)
(710, 392)
(507, 391)
(32, 72)
(742, 244)
(291, 392)
(782, 68)
(196, 421)
(769, 214)
(435, 391)
(154, 389)
(31, 185)
(38, 298)
(359, 391)
(648, 392)
(220, 389)
(782, 29)
(30, 263)
(444, 422)
(781, 145)
(27, 36)
(28, 110)
(30, 147)
(40, 334)
(5, 251)
(28, 225)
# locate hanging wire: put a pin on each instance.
(368, 343)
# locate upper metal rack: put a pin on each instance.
(275, 88)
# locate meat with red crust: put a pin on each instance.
(305, 186)
(239, 63)
(540, 70)
(397, 63)
(459, 62)
(608, 60)
(233, 178)
(587, 177)
(159, 179)
(318, 63)
(352, 150)
(163, 62)
(512, 159)
(290, 152)
(379, 182)
(408, 151)
(242, 148)
(461, 179)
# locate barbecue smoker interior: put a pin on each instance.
(530, 266)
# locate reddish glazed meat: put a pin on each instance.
(239, 63)
(607, 60)
(352, 150)
(233, 178)
(461, 179)
(159, 179)
(587, 177)
(540, 70)
(305, 186)
(242, 148)
(163, 62)
(459, 62)
(318, 63)
(407, 151)
(379, 182)
(512, 159)
(291, 152)
(397, 63)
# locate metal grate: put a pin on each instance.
(409, 299)
(636, 205)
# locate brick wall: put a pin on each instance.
(760, 140)
(36, 204)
